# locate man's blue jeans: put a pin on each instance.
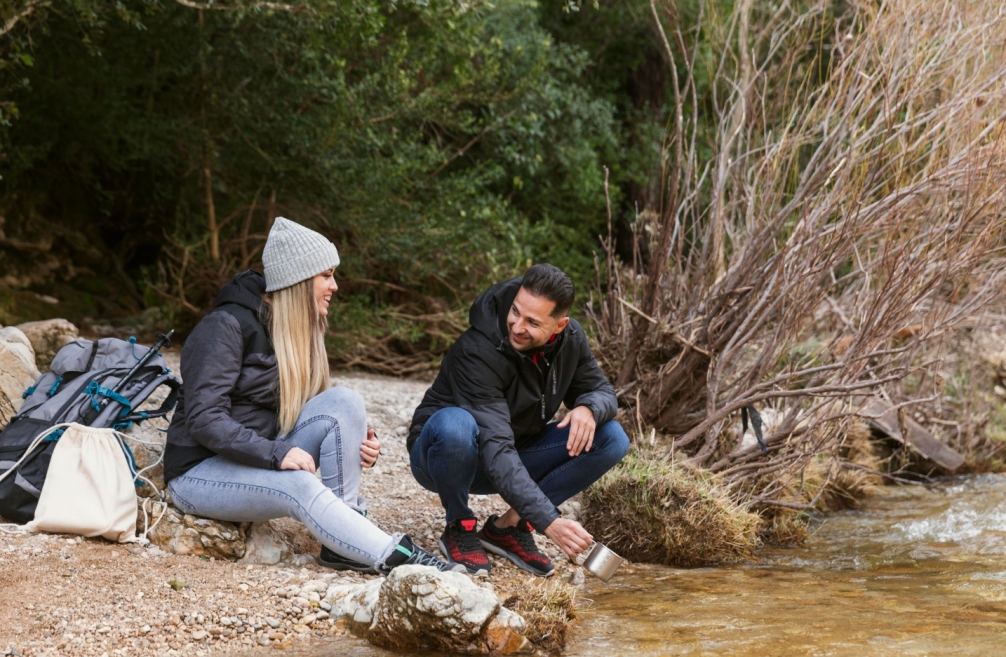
(445, 459)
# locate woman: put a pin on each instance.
(257, 417)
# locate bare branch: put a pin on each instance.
(26, 11)
(241, 4)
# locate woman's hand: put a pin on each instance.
(370, 449)
(297, 459)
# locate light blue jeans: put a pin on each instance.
(330, 428)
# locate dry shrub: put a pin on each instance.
(857, 164)
(548, 607)
(651, 509)
(828, 481)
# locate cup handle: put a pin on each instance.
(582, 557)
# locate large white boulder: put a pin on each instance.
(419, 607)
(47, 337)
(17, 371)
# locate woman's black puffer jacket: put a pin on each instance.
(230, 394)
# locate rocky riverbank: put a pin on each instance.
(61, 595)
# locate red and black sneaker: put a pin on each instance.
(460, 544)
(516, 544)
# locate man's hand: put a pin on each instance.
(370, 449)
(297, 459)
(581, 429)
(569, 535)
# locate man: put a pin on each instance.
(483, 426)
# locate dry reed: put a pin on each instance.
(858, 171)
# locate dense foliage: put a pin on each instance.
(147, 144)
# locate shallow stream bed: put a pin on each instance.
(917, 571)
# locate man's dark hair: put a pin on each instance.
(545, 280)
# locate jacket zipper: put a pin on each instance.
(544, 387)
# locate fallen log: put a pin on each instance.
(883, 417)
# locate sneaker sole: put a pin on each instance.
(477, 572)
(366, 570)
(517, 561)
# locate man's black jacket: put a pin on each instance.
(512, 398)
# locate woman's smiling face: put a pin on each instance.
(324, 288)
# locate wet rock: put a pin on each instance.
(264, 545)
(420, 607)
(181, 533)
(505, 634)
(47, 337)
(17, 371)
(576, 578)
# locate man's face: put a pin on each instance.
(530, 323)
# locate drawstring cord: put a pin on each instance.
(139, 474)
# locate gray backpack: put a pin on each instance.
(99, 384)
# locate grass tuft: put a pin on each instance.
(549, 610)
(652, 510)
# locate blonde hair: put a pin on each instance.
(298, 336)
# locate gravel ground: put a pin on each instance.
(63, 595)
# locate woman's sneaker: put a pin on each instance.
(460, 544)
(516, 544)
(335, 561)
(330, 559)
(407, 553)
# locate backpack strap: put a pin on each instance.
(75, 397)
(95, 391)
(166, 406)
(94, 352)
(71, 400)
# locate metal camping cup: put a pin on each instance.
(599, 561)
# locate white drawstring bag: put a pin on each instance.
(88, 489)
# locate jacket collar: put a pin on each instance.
(488, 316)
(245, 289)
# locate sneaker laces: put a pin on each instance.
(526, 540)
(467, 541)
(421, 557)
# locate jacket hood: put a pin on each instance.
(245, 289)
(489, 312)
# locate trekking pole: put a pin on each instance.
(163, 340)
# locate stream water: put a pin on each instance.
(917, 571)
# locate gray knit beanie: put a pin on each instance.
(293, 254)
